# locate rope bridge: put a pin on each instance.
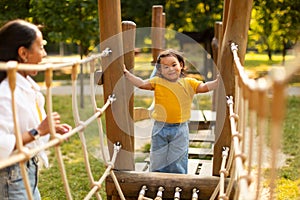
(24, 154)
(258, 107)
(248, 113)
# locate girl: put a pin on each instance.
(173, 95)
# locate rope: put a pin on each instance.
(223, 174)
(12, 70)
(24, 153)
(48, 79)
(107, 172)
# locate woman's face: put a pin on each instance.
(35, 53)
(170, 68)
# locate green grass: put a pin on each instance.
(291, 140)
(258, 64)
(50, 183)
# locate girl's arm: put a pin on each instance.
(137, 81)
(208, 86)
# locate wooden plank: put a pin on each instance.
(142, 167)
(209, 115)
(201, 138)
(200, 152)
(198, 125)
(131, 183)
(197, 116)
(197, 121)
(193, 165)
(206, 168)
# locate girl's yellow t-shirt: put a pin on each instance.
(173, 99)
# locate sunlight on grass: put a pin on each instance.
(257, 65)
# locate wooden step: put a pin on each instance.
(142, 167)
(198, 137)
(201, 119)
(200, 153)
(209, 115)
(195, 166)
(200, 167)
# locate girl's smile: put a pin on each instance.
(170, 68)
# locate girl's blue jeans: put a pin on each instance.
(169, 148)
(11, 182)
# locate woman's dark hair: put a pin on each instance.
(13, 35)
(173, 53)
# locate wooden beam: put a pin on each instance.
(132, 182)
(117, 115)
(156, 31)
(235, 26)
(129, 32)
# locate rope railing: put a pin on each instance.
(249, 115)
(24, 154)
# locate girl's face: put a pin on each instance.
(170, 68)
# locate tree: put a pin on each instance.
(71, 21)
(13, 9)
(288, 24)
(193, 16)
(275, 25)
(139, 12)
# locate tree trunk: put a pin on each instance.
(283, 52)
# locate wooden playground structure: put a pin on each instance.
(247, 110)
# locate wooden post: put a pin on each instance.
(235, 28)
(163, 26)
(128, 29)
(117, 115)
(215, 43)
(129, 33)
(215, 51)
(156, 31)
(225, 14)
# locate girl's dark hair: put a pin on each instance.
(173, 53)
(13, 35)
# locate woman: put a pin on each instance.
(23, 42)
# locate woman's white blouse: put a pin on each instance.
(27, 94)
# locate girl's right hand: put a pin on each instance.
(124, 69)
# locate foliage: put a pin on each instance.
(189, 15)
(195, 16)
(287, 189)
(275, 25)
(139, 12)
(71, 21)
(12, 9)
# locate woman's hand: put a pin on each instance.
(63, 128)
(44, 127)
